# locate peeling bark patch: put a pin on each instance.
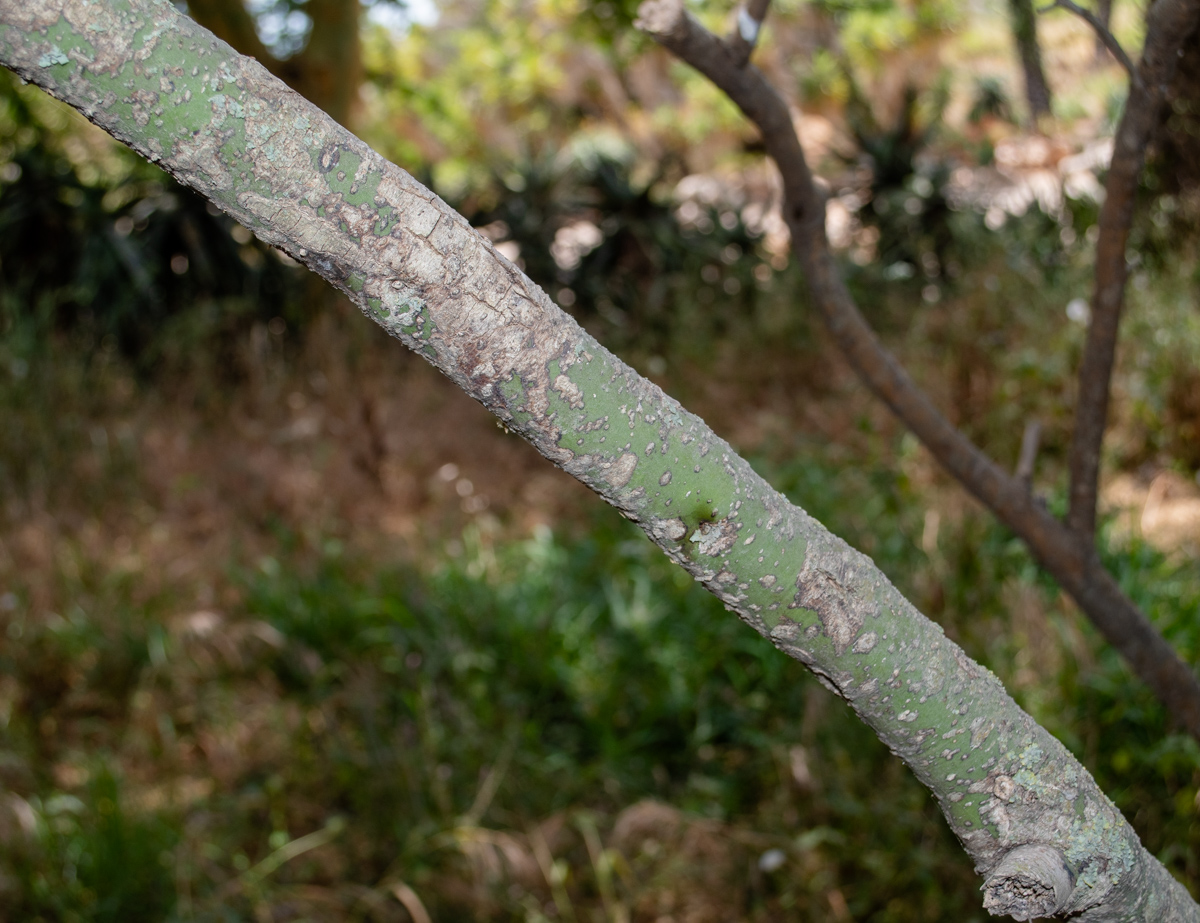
(714, 538)
(667, 529)
(329, 158)
(571, 394)
(619, 472)
(866, 643)
(980, 729)
(826, 593)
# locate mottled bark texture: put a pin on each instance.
(223, 125)
(327, 70)
(1074, 564)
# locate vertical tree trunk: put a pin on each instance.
(1024, 26)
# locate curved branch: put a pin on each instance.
(1168, 24)
(1072, 564)
(222, 125)
(1102, 33)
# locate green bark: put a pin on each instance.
(1032, 818)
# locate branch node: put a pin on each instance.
(1031, 882)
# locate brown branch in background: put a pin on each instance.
(1074, 565)
(1030, 441)
(1169, 23)
(744, 36)
(1102, 33)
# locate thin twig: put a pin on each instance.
(1073, 564)
(1102, 33)
(1169, 24)
(745, 33)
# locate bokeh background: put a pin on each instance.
(291, 630)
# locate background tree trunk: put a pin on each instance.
(1024, 27)
(327, 71)
(1177, 154)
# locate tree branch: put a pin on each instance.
(1073, 565)
(1031, 817)
(1169, 23)
(1102, 32)
(745, 34)
(327, 71)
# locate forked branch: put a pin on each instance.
(744, 36)
(1073, 564)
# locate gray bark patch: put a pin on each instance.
(825, 590)
(620, 471)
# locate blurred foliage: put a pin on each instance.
(88, 859)
(616, 254)
(98, 244)
(395, 722)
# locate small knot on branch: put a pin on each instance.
(1030, 882)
